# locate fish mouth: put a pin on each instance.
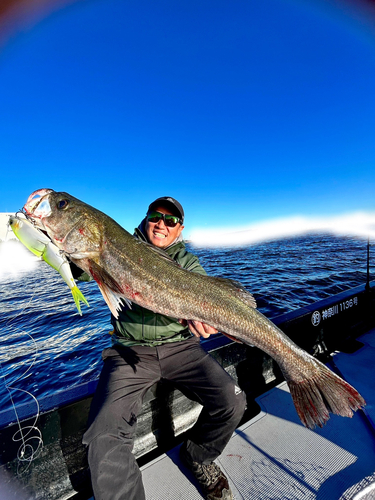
(37, 205)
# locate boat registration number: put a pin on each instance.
(318, 316)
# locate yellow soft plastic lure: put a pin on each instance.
(40, 245)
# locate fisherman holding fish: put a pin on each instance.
(159, 296)
(149, 347)
(146, 348)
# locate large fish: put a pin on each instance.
(125, 267)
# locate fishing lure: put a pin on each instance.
(40, 245)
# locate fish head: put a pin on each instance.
(70, 223)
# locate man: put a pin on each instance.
(148, 347)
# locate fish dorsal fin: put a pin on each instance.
(110, 289)
(236, 288)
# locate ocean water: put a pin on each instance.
(46, 346)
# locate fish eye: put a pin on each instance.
(62, 204)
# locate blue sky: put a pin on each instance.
(245, 111)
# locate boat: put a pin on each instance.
(270, 456)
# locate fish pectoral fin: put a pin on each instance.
(113, 300)
(110, 289)
(102, 277)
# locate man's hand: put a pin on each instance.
(199, 329)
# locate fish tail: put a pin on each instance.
(315, 397)
(78, 296)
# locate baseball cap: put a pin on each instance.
(167, 201)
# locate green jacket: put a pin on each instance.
(140, 326)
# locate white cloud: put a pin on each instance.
(358, 224)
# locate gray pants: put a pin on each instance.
(126, 376)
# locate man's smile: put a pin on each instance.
(159, 235)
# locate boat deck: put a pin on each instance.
(273, 457)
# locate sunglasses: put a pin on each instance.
(169, 220)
